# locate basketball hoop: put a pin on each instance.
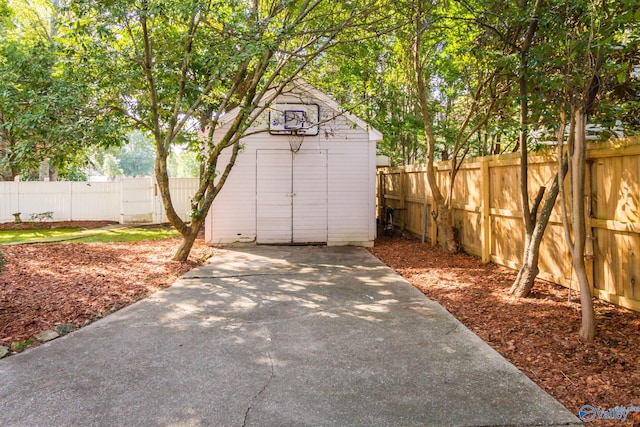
(295, 140)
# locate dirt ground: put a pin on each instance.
(539, 334)
(47, 285)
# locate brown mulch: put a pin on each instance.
(47, 285)
(538, 334)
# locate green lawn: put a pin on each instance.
(128, 234)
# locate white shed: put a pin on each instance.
(323, 193)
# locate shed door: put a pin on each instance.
(291, 196)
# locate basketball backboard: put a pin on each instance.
(301, 119)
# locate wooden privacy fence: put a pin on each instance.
(488, 216)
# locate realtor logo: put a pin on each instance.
(589, 413)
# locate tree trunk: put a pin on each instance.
(525, 280)
(53, 173)
(588, 325)
(578, 171)
(527, 274)
(441, 212)
(533, 231)
(43, 170)
(446, 229)
(189, 236)
(203, 204)
(523, 284)
(188, 239)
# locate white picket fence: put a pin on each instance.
(129, 200)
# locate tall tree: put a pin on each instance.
(534, 227)
(569, 69)
(558, 72)
(137, 157)
(509, 30)
(174, 64)
(47, 112)
(594, 32)
(436, 33)
(371, 79)
(513, 27)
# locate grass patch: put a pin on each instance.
(21, 345)
(98, 235)
(130, 235)
(25, 236)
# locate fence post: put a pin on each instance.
(380, 195)
(485, 238)
(434, 225)
(403, 214)
(590, 247)
(156, 213)
(122, 189)
(434, 208)
(70, 183)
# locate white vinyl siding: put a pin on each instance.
(349, 193)
(233, 214)
(291, 196)
(273, 196)
(333, 187)
(310, 199)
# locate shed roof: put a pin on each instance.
(300, 86)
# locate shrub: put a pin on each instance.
(3, 261)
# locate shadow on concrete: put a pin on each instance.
(275, 336)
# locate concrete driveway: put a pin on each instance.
(275, 336)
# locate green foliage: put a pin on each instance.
(48, 112)
(184, 164)
(137, 157)
(557, 61)
(372, 78)
(175, 69)
(5, 17)
(376, 79)
(580, 39)
(21, 345)
(134, 158)
(72, 172)
(111, 166)
(3, 261)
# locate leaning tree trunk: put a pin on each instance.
(523, 284)
(188, 239)
(529, 271)
(534, 230)
(203, 200)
